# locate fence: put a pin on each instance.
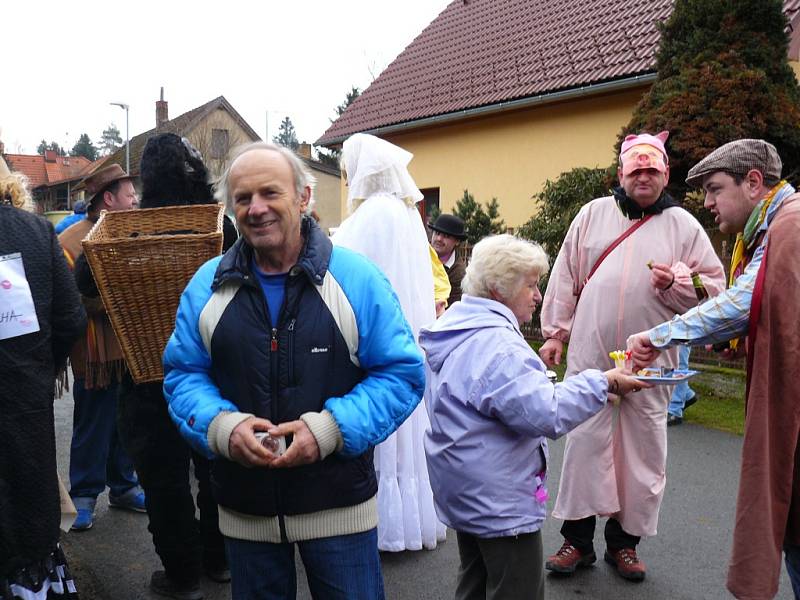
(533, 333)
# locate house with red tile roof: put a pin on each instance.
(497, 96)
(52, 178)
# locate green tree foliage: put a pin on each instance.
(331, 157)
(43, 146)
(559, 202)
(110, 140)
(286, 135)
(479, 222)
(723, 74)
(84, 147)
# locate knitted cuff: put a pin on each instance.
(219, 432)
(325, 430)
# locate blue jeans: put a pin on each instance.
(97, 457)
(344, 567)
(682, 391)
(793, 567)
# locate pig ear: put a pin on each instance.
(663, 136)
(630, 137)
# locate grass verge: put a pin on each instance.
(720, 393)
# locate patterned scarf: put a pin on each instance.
(746, 240)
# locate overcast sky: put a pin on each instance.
(63, 62)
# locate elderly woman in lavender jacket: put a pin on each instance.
(491, 408)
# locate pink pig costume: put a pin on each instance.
(620, 470)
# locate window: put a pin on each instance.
(219, 143)
(431, 200)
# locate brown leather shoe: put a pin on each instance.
(627, 563)
(568, 558)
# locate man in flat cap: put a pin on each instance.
(448, 233)
(600, 291)
(745, 194)
(97, 459)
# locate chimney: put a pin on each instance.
(50, 156)
(162, 114)
(304, 150)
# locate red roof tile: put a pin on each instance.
(41, 172)
(480, 53)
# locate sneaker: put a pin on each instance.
(164, 585)
(84, 520)
(674, 419)
(689, 402)
(133, 500)
(568, 558)
(627, 563)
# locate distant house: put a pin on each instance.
(497, 96)
(216, 128)
(52, 178)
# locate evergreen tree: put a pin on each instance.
(559, 202)
(331, 157)
(723, 74)
(110, 140)
(479, 222)
(43, 146)
(286, 135)
(84, 147)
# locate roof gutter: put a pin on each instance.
(549, 98)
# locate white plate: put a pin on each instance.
(676, 377)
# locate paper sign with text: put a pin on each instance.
(17, 312)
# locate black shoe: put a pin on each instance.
(218, 574)
(162, 584)
(673, 420)
(690, 401)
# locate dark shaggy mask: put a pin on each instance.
(173, 173)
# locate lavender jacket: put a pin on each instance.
(491, 407)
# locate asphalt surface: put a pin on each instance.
(687, 560)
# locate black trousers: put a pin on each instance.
(580, 533)
(500, 568)
(162, 460)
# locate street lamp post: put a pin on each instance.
(127, 137)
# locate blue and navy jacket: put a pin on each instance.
(341, 343)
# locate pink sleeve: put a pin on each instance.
(702, 258)
(558, 306)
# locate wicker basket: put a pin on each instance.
(141, 261)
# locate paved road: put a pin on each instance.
(686, 561)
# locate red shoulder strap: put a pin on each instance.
(625, 234)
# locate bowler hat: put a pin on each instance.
(739, 157)
(449, 225)
(100, 180)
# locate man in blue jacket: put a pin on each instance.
(287, 335)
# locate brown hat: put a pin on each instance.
(100, 180)
(739, 157)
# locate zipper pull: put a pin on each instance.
(274, 342)
(291, 325)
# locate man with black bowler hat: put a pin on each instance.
(448, 233)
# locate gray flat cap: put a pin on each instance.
(739, 157)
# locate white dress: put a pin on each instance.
(389, 231)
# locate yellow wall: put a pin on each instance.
(327, 193)
(509, 156)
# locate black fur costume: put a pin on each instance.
(172, 173)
